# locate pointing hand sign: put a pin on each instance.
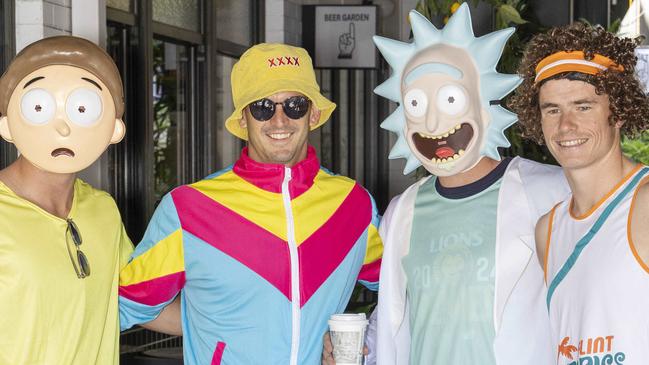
(347, 42)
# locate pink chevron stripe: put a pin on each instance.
(370, 272)
(326, 248)
(256, 248)
(155, 291)
(218, 353)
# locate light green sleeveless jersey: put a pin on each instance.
(450, 270)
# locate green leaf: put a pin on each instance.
(499, 24)
(426, 11)
(444, 7)
(637, 148)
(421, 8)
(615, 25)
(433, 8)
(509, 14)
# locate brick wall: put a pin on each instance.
(37, 19)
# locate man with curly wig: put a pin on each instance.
(580, 94)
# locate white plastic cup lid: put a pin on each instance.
(351, 320)
(347, 317)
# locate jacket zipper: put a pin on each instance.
(295, 268)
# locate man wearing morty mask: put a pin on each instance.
(459, 283)
(62, 242)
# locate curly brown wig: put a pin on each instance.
(627, 99)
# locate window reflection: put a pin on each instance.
(170, 66)
(230, 146)
(233, 21)
(183, 14)
(124, 5)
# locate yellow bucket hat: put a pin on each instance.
(266, 69)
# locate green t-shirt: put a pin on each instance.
(450, 270)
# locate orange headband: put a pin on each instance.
(559, 62)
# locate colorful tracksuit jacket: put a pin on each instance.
(261, 254)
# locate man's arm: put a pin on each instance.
(156, 271)
(168, 321)
(369, 275)
(639, 216)
(541, 236)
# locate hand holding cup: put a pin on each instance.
(347, 332)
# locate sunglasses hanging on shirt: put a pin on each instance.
(78, 258)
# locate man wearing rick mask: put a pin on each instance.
(62, 242)
(459, 282)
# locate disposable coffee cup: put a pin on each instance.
(347, 333)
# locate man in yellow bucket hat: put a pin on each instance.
(263, 252)
(267, 69)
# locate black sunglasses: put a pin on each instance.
(81, 264)
(294, 107)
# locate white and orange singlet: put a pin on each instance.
(598, 287)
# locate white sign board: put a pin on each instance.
(343, 36)
(642, 66)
